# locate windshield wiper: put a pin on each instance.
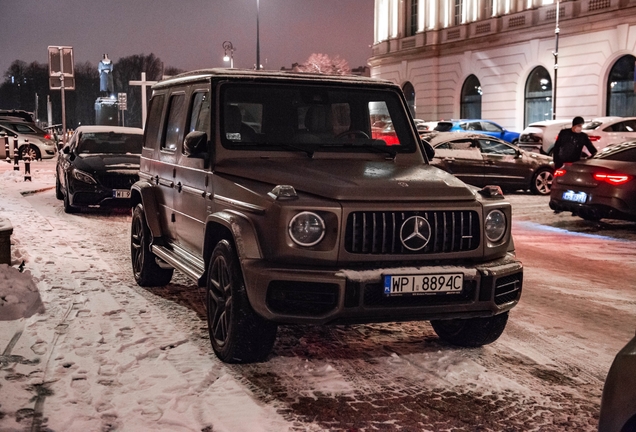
(366, 145)
(309, 153)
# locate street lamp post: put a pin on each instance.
(228, 47)
(258, 43)
(556, 62)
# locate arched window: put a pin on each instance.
(538, 96)
(409, 93)
(621, 100)
(471, 99)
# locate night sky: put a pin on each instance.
(187, 34)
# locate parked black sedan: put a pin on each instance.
(603, 186)
(97, 167)
(482, 160)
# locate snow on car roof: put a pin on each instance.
(203, 74)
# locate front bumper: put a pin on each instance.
(296, 295)
(85, 195)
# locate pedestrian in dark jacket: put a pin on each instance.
(570, 142)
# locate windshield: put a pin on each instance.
(298, 117)
(109, 142)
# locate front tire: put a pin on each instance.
(542, 182)
(472, 332)
(146, 271)
(32, 151)
(68, 208)
(237, 333)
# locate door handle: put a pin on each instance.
(179, 186)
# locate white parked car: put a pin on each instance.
(541, 136)
(604, 131)
(32, 140)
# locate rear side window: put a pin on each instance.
(200, 117)
(175, 124)
(154, 121)
(618, 154)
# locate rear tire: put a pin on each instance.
(146, 271)
(542, 182)
(237, 333)
(472, 332)
(31, 151)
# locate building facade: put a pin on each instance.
(494, 59)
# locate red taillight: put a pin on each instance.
(594, 138)
(560, 172)
(47, 136)
(614, 179)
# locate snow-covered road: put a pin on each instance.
(109, 355)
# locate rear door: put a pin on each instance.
(462, 158)
(503, 165)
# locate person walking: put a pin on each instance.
(570, 143)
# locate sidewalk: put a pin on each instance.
(101, 357)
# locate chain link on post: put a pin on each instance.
(16, 155)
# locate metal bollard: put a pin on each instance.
(6, 146)
(27, 168)
(16, 155)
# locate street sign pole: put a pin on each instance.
(61, 68)
(63, 110)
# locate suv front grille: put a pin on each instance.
(118, 181)
(378, 232)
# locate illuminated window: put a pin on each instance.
(621, 100)
(538, 96)
(471, 98)
(457, 12)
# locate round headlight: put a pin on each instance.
(495, 225)
(306, 229)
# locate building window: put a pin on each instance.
(486, 9)
(409, 93)
(621, 100)
(413, 19)
(471, 98)
(538, 96)
(457, 12)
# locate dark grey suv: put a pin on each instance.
(274, 192)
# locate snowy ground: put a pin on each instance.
(108, 355)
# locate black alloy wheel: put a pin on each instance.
(146, 271)
(237, 333)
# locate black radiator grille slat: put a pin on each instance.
(118, 181)
(377, 232)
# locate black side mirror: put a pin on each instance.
(428, 149)
(66, 150)
(195, 143)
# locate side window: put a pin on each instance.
(630, 125)
(625, 155)
(174, 126)
(382, 123)
(489, 127)
(153, 124)
(200, 117)
(495, 147)
(462, 145)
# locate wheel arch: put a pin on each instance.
(144, 193)
(233, 226)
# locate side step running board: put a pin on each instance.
(182, 260)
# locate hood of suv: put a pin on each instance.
(352, 179)
(107, 162)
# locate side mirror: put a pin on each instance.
(66, 150)
(195, 143)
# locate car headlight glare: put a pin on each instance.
(83, 177)
(307, 229)
(495, 225)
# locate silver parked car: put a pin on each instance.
(32, 140)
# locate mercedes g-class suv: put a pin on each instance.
(299, 198)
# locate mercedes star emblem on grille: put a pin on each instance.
(415, 233)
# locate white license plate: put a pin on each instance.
(423, 284)
(121, 193)
(579, 197)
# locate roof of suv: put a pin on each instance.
(250, 74)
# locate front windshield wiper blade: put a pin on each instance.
(366, 145)
(309, 153)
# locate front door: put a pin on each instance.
(503, 165)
